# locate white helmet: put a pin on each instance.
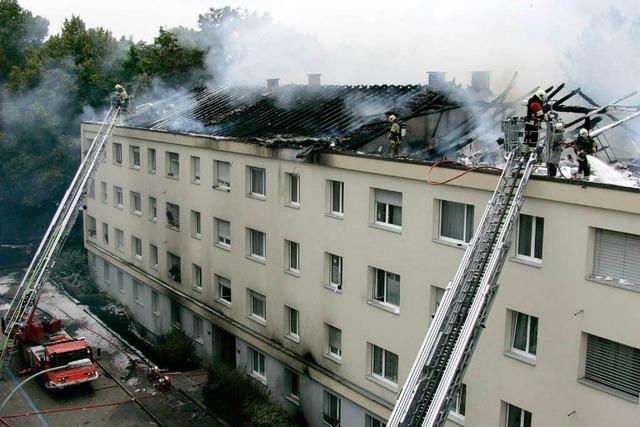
(392, 118)
(583, 133)
(541, 94)
(559, 127)
(119, 87)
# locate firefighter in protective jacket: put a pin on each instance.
(122, 98)
(584, 146)
(394, 136)
(535, 114)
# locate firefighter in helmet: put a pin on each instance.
(122, 98)
(535, 114)
(584, 146)
(394, 136)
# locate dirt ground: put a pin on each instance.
(107, 401)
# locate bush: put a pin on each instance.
(176, 350)
(72, 272)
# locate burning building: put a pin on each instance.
(271, 225)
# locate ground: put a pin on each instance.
(108, 400)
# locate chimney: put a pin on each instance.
(314, 79)
(437, 79)
(480, 80)
(273, 85)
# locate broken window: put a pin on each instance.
(292, 321)
(334, 343)
(195, 170)
(223, 175)
(293, 187)
(517, 417)
(196, 277)
(153, 256)
(196, 228)
(384, 364)
(336, 201)
(173, 215)
(92, 227)
(134, 157)
(153, 209)
(293, 256)
(117, 153)
(331, 409)
(257, 364)
(257, 182)
(223, 232)
(257, 244)
(456, 221)
(118, 198)
(530, 234)
(105, 233)
(173, 267)
(291, 384)
(224, 289)
(173, 165)
(386, 287)
(524, 334)
(388, 208)
(257, 307)
(136, 203)
(151, 160)
(119, 239)
(136, 247)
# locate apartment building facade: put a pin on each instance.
(320, 277)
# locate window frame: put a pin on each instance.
(155, 303)
(104, 192)
(459, 406)
(153, 249)
(254, 297)
(221, 184)
(196, 277)
(292, 257)
(153, 209)
(170, 162)
(383, 300)
(251, 253)
(92, 227)
(293, 192)
(332, 199)
(253, 170)
(105, 233)
(533, 236)
(384, 219)
(151, 161)
(172, 223)
(469, 216)
(292, 320)
(328, 415)
(226, 241)
(120, 280)
(118, 195)
(220, 295)
(329, 352)
(137, 291)
(119, 242)
(382, 375)
(133, 150)
(291, 393)
(336, 286)
(194, 162)
(136, 243)
(515, 315)
(171, 265)
(523, 416)
(134, 195)
(257, 365)
(117, 154)
(196, 224)
(197, 329)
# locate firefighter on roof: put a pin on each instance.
(394, 136)
(122, 98)
(584, 146)
(535, 114)
(553, 150)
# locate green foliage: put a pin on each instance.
(71, 271)
(176, 350)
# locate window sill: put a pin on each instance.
(293, 399)
(139, 303)
(292, 337)
(456, 418)
(223, 247)
(292, 205)
(135, 168)
(224, 302)
(258, 320)
(333, 288)
(293, 273)
(173, 177)
(383, 382)
(609, 390)
(259, 260)
(197, 289)
(450, 242)
(173, 227)
(384, 306)
(334, 358)
(117, 164)
(615, 283)
(386, 227)
(156, 313)
(528, 359)
(261, 379)
(153, 219)
(121, 249)
(199, 341)
(137, 258)
(533, 262)
(221, 188)
(335, 215)
(256, 196)
(136, 213)
(121, 207)
(152, 172)
(154, 267)
(197, 236)
(195, 181)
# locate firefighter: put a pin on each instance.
(122, 98)
(394, 135)
(535, 114)
(584, 146)
(553, 150)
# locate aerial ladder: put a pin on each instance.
(436, 375)
(23, 304)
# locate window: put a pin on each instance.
(456, 221)
(118, 199)
(175, 314)
(256, 364)
(91, 192)
(195, 170)
(117, 153)
(334, 347)
(92, 227)
(336, 202)
(134, 157)
(257, 182)
(103, 192)
(386, 287)
(136, 247)
(196, 228)
(530, 234)
(458, 408)
(291, 385)
(388, 208)
(120, 280)
(292, 319)
(106, 272)
(153, 256)
(257, 244)
(293, 256)
(151, 160)
(257, 307)
(173, 216)
(616, 257)
(174, 269)
(153, 209)
(137, 292)
(223, 232)
(105, 233)
(224, 289)
(613, 365)
(436, 298)
(155, 303)
(384, 364)
(119, 239)
(517, 417)
(173, 165)
(524, 334)
(331, 409)
(197, 329)
(223, 175)
(136, 203)
(371, 421)
(196, 279)
(293, 188)
(334, 271)
(92, 259)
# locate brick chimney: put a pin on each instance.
(437, 79)
(273, 85)
(314, 79)
(480, 80)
